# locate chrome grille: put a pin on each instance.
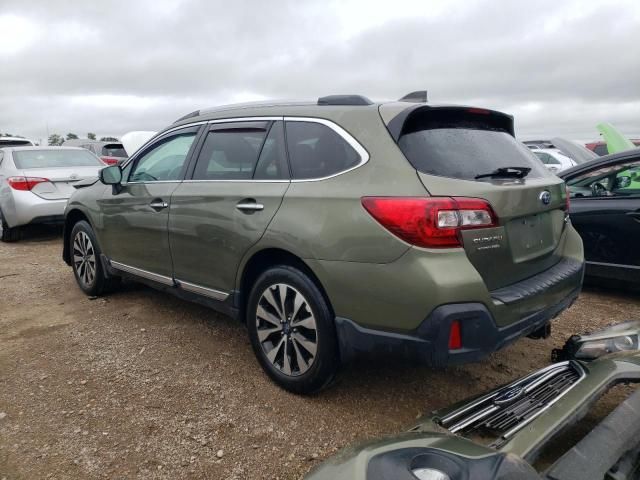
(503, 412)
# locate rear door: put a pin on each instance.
(605, 209)
(133, 231)
(450, 147)
(233, 190)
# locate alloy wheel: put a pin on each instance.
(286, 329)
(84, 258)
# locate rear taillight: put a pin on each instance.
(431, 222)
(25, 183)
(110, 160)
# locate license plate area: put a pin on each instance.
(531, 236)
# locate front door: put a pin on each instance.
(605, 209)
(135, 217)
(231, 193)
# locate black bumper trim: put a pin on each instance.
(595, 454)
(561, 272)
(429, 343)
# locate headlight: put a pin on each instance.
(430, 474)
(594, 349)
(618, 338)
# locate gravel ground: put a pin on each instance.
(141, 384)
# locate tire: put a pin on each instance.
(85, 261)
(8, 234)
(297, 349)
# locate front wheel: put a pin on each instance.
(85, 260)
(292, 330)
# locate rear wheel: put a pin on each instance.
(292, 330)
(85, 261)
(8, 234)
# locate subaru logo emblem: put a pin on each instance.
(508, 396)
(545, 197)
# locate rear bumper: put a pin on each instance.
(429, 343)
(26, 208)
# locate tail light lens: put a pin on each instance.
(110, 160)
(431, 222)
(25, 183)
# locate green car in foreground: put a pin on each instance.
(337, 228)
(502, 435)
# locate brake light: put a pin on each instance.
(25, 183)
(110, 160)
(431, 222)
(455, 337)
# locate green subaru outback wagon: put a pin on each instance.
(337, 228)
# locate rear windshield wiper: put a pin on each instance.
(507, 172)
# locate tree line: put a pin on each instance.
(56, 140)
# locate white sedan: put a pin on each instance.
(554, 160)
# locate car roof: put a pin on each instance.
(330, 107)
(601, 162)
(16, 138)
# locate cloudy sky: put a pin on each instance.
(113, 66)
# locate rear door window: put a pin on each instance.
(461, 145)
(318, 151)
(231, 152)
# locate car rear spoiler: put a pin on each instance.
(493, 118)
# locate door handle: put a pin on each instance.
(158, 204)
(249, 206)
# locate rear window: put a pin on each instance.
(15, 143)
(317, 151)
(115, 150)
(462, 145)
(27, 159)
(601, 149)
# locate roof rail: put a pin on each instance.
(419, 96)
(344, 100)
(188, 115)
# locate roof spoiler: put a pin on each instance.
(419, 96)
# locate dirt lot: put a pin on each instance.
(140, 384)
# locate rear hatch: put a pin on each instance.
(458, 152)
(51, 173)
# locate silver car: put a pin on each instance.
(35, 183)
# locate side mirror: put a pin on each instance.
(111, 175)
(622, 182)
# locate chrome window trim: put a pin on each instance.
(199, 289)
(250, 180)
(142, 273)
(346, 136)
(152, 182)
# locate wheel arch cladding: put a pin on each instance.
(72, 217)
(265, 259)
